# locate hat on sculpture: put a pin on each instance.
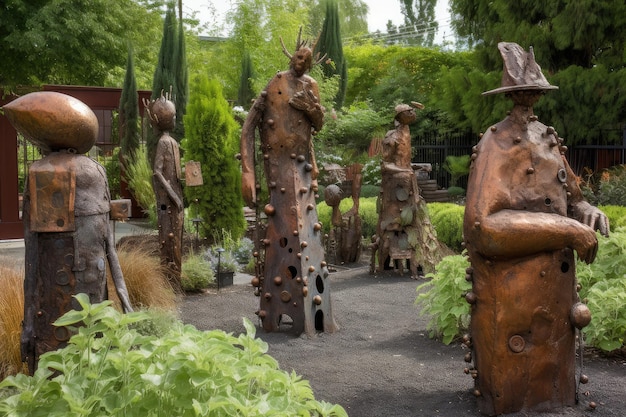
(521, 71)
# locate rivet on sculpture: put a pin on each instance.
(67, 235)
(168, 189)
(344, 240)
(404, 232)
(292, 278)
(525, 217)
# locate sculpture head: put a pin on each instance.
(406, 114)
(54, 121)
(302, 60)
(162, 112)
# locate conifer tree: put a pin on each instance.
(129, 112)
(212, 138)
(165, 73)
(246, 94)
(182, 77)
(330, 43)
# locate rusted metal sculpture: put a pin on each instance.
(525, 217)
(404, 232)
(344, 240)
(292, 276)
(168, 187)
(67, 234)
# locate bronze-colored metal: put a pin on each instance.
(67, 236)
(193, 174)
(286, 114)
(404, 232)
(121, 209)
(54, 121)
(521, 230)
(168, 187)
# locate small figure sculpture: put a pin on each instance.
(344, 240)
(168, 188)
(525, 216)
(404, 231)
(67, 234)
(292, 279)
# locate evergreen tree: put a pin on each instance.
(330, 43)
(246, 90)
(420, 25)
(164, 78)
(213, 140)
(182, 77)
(129, 112)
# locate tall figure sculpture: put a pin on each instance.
(404, 232)
(525, 217)
(292, 277)
(67, 234)
(168, 187)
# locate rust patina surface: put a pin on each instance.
(168, 188)
(67, 235)
(292, 277)
(525, 219)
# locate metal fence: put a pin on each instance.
(434, 148)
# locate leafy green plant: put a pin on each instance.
(447, 218)
(109, 368)
(603, 288)
(197, 273)
(457, 166)
(616, 215)
(442, 299)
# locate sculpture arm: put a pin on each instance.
(248, 132)
(116, 273)
(517, 233)
(168, 188)
(31, 268)
(581, 210)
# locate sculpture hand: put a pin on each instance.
(586, 244)
(248, 189)
(591, 216)
(305, 101)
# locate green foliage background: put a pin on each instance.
(213, 140)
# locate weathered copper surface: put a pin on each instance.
(168, 188)
(404, 232)
(292, 277)
(344, 241)
(67, 236)
(53, 121)
(121, 209)
(193, 174)
(525, 216)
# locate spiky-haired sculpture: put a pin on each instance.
(291, 275)
(167, 185)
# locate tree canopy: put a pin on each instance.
(80, 42)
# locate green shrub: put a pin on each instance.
(367, 211)
(371, 171)
(197, 273)
(369, 190)
(139, 178)
(604, 290)
(110, 369)
(616, 215)
(442, 298)
(447, 218)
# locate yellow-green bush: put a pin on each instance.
(447, 218)
(616, 215)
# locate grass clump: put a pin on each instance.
(11, 316)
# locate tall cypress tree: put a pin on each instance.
(329, 43)
(182, 77)
(165, 73)
(129, 112)
(213, 140)
(246, 94)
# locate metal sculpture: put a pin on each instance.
(404, 232)
(291, 275)
(67, 234)
(525, 216)
(168, 187)
(344, 240)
